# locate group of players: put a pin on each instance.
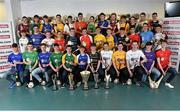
(131, 50)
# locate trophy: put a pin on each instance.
(96, 75)
(107, 78)
(18, 83)
(85, 76)
(54, 82)
(71, 82)
(31, 84)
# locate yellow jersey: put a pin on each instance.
(110, 41)
(117, 57)
(99, 40)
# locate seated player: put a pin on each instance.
(133, 61)
(119, 63)
(164, 63)
(16, 62)
(44, 68)
(69, 62)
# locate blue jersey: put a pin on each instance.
(16, 58)
(47, 27)
(146, 36)
(104, 23)
(83, 58)
(44, 58)
(36, 39)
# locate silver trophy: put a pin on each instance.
(71, 81)
(85, 76)
(31, 84)
(18, 83)
(96, 79)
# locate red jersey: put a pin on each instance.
(164, 57)
(86, 41)
(80, 25)
(61, 44)
(134, 37)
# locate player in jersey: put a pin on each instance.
(164, 63)
(146, 35)
(59, 39)
(24, 26)
(134, 36)
(80, 24)
(142, 19)
(103, 24)
(30, 59)
(36, 38)
(113, 23)
(44, 67)
(58, 25)
(36, 22)
(46, 25)
(95, 61)
(16, 63)
(69, 24)
(49, 41)
(99, 39)
(134, 59)
(73, 40)
(23, 41)
(133, 23)
(123, 24)
(91, 28)
(119, 63)
(83, 64)
(110, 39)
(56, 63)
(86, 40)
(106, 57)
(69, 62)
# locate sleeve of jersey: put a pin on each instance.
(9, 59)
(88, 61)
(157, 54)
(113, 58)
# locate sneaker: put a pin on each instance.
(78, 84)
(12, 85)
(169, 85)
(129, 82)
(63, 86)
(116, 81)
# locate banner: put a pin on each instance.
(6, 41)
(171, 26)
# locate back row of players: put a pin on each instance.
(111, 46)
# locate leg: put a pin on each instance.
(156, 73)
(35, 73)
(173, 73)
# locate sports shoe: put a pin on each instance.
(169, 85)
(63, 86)
(129, 82)
(12, 85)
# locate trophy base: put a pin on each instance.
(85, 88)
(106, 87)
(96, 86)
(71, 88)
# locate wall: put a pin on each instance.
(66, 7)
(3, 13)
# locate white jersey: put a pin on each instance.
(48, 42)
(133, 58)
(159, 36)
(106, 57)
(23, 43)
(68, 27)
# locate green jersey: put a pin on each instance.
(56, 59)
(91, 27)
(30, 56)
(67, 59)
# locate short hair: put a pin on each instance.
(81, 46)
(72, 29)
(98, 27)
(69, 16)
(106, 43)
(80, 13)
(102, 14)
(123, 16)
(45, 16)
(145, 23)
(132, 27)
(24, 17)
(56, 45)
(84, 28)
(149, 43)
(68, 46)
(159, 26)
(29, 43)
(122, 28)
(42, 44)
(14, 45)
(35, 26)
(58, 15)
(92, 17)
(109, 29)
(155, 13)
(120, 43)
(133, 17)
(93, 45)
(143, 13)
(48, 31)
(165, 41)
(134, 41)
(36, 16)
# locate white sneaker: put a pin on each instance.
(169, 85)
(129, 82)
(78, 84)
(116, 81)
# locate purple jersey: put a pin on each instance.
(150, 58)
